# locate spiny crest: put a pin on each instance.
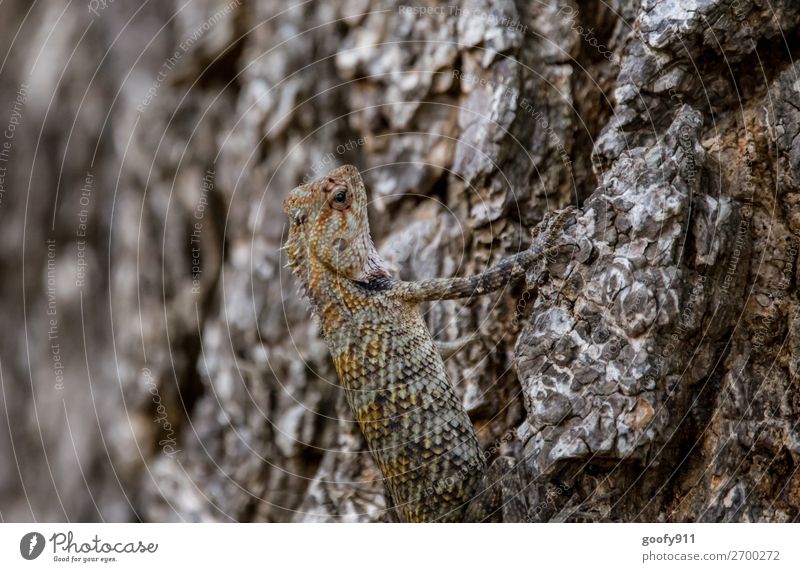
(329, 230)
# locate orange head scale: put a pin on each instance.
(329, 229)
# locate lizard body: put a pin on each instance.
(394, 378)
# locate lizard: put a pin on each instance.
(394, 379)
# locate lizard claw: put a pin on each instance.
(548, 234)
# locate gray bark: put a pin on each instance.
(157, 364)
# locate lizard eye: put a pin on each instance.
(340, 199)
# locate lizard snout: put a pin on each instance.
(290, 204)
(298, 200)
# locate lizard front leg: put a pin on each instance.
(506, 271)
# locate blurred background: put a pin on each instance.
(156, 363)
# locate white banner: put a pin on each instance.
(390, 547)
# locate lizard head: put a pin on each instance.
(329, 225)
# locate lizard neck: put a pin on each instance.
(335, 298)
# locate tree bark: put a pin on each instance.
(158, 364)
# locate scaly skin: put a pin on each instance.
(394, 378)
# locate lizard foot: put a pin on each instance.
(548, 234)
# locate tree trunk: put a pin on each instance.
(158, 365)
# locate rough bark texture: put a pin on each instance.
(156, 363)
